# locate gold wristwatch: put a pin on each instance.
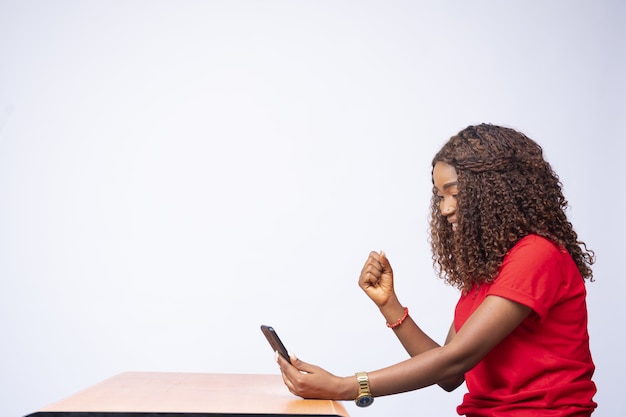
(364, 398)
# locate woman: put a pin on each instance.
(499, 234)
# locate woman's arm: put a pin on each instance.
(377, 281)
(415, 341)
(453, 383)
(494, 319)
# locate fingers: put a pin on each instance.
(286, 370)
(296, 365)
(293, 374)
(373, 269)
(384, 262)
(372, 264)
(302, 366)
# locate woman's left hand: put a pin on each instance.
(312, 382)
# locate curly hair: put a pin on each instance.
(506, 190)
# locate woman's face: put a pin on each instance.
(446, 185)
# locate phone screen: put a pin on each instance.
(275, 342)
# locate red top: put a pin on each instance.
(544, 367)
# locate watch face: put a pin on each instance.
(364, 401)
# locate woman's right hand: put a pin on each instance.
(377, 279)
(309, 381)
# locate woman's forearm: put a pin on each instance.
(413, 339)
(417, 372)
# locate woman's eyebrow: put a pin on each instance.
(450, 184)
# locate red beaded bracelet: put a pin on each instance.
(399, 322)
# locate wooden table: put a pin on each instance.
(141, 394)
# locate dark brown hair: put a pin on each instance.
(506, 190)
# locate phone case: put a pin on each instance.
(275, 342)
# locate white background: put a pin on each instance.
(175, 173)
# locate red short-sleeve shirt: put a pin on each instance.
(544, 367)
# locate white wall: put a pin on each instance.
(175, 173)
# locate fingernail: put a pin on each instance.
(292, 356)
(276, 356)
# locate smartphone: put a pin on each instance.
(275, 342)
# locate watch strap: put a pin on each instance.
(364, 397)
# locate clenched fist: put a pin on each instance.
(377, 278)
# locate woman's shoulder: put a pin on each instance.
(534, 250)
(538, 243)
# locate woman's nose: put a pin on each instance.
(447, 208)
